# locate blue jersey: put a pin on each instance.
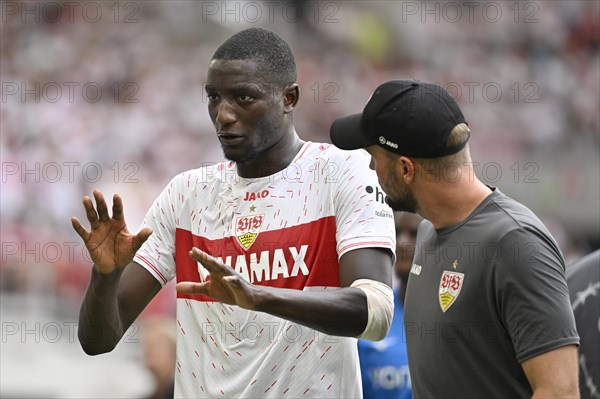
(384, 364)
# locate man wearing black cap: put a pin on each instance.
(487, 310)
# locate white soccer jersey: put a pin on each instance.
(286, 230)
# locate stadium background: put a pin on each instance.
(109, 95)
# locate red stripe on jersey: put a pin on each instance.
(293, 257)
(302, 153)
(146, 261)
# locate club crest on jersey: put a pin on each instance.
(247, 229)
(450, 286)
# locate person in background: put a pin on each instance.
(159, 343)
(384, 364)
(583, 278)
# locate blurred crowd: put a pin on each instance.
(116, 102)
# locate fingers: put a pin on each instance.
(90, 212)
(117, 207)
(200, 255)
(188, 287)
(101, 206)
(141, 238)
(100, 214)
(83, 233)
(211, 264)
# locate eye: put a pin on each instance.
(212, 96)
(244, 98)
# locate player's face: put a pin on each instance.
(406, 236)
(399, 195)
(246, 110)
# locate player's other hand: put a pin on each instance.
(224, 284)
(110, 244)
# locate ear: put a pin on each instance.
(291, 95)
(406, 169)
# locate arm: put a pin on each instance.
(111, 303)
(553, 374)
(533, 301)
(119, 288)
(340, 312)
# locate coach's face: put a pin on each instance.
(247, 111)
(388, 169)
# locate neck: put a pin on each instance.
(448, 203)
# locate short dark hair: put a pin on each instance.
(268, 49)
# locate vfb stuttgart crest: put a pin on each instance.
(247, 229)
(450, 286)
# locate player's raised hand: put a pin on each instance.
(225, 284)
(110, 244)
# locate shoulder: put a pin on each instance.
(207, 173)
(210, 175)
(326, 163)
(510, 215)
(516, 230)
(329, 152)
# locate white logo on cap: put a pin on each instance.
(385, 141)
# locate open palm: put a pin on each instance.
(110, 244)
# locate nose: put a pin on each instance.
(372, 163)
(225, 114)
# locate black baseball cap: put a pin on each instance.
(407, 117)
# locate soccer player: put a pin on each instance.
(158, 340)
(283, 255)
(487, 311)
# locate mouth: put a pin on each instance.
(230, 138)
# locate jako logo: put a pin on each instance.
(385, 141)
(379, 194)
(254, 196)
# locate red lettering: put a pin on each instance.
(257, 222)
(242, 224)
(254, 196)
(445, 281)
(455, 282)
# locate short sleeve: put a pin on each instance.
(157, 254)
(363, 218)
(532, 294)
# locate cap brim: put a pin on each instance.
(345, 133)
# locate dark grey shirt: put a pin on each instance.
(484, 295)
(583, 278)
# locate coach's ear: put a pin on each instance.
(406, 169)
(291, 95)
